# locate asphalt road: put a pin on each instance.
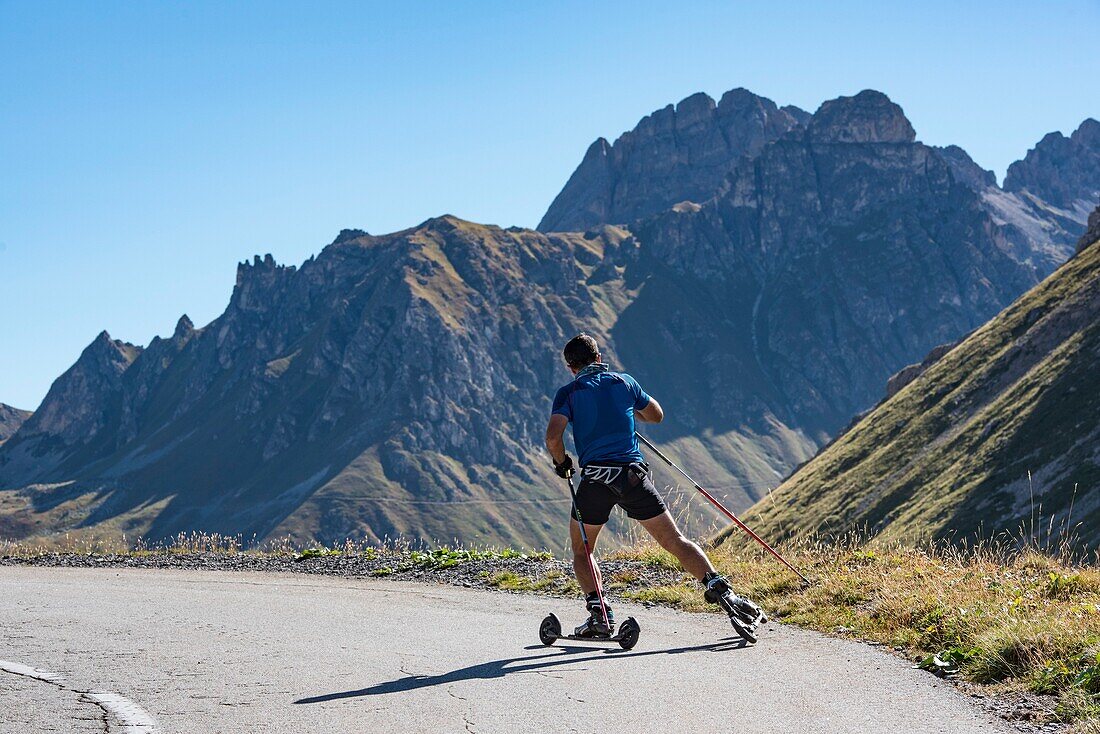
(196, 652)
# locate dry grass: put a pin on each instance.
(1021, 618)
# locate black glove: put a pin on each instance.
(565, 468)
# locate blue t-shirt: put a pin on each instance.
(600, 404)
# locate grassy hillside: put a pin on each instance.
(1001, 434)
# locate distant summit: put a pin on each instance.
(677, 153)
(832, 258)
(686, 152)
(868, 117)
(10, 421)
(1064, 172)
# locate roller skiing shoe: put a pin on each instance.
(594, 627)
(744, 615)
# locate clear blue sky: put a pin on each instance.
(146, 148)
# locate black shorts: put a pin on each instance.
(630, 486)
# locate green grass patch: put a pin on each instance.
(316, 553)
(512, 581)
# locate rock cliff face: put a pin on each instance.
(1047, 196)
(685, 153)
(1006, 422)
(675, 154)
(10, 420)
(1092, 234)
(837, 255)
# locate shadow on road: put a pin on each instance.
(560, 655)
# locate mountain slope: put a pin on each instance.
(10, 420)
(950, 453)
(675, 154)
(393, 385)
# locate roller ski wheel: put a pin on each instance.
(746, 631)
(629, 632)
(744, 621)
(550, 630)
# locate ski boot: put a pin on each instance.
(744, 615)
(594, 626)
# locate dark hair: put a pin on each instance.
(581, 351)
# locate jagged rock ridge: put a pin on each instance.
(1040, 212)
(10, 421)
(675, 154)
(1044, 205)
(392, 385)
(1064, 172)
(837, 255)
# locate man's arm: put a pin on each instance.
(555, 430)
(651, 413)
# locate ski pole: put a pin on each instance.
(721, 508)
(588, 552)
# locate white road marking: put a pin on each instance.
(133, 718)
(29, 672)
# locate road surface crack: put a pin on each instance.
(50, 679)
(465, 717)
(104, 714)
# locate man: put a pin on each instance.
(602, 406)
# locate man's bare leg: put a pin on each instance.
(668, 536)
(580, 564)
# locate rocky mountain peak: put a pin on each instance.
(694, 108)
(1062, 171)
(77, 404)
(10, 421)
(679, 152)
(739, 98)
(109, 354)
(349, 234)
(868, 117)
(184, 328)
(1087, 133)
(965, 170)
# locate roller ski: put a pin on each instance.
(597, 628)
(745, 616)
